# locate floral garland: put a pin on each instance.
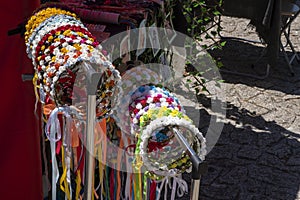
(62, 50)
(60, 45)
(178, 163)
(47, 26)
(150, 97)
(57, 42)
(131, 80)
(40, 16)
(154, 111)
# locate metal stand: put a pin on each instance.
(198, 166)
(92, 82)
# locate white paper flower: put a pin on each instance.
(46, 88)
(64, 44)
(164, 104)
(162, 99)
(149, 100)
(152, 105)
(141, 112)
(135, 121)
(62, 69)
(139, 106)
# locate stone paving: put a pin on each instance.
(258, 153)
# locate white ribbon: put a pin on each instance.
(166, 188)
(55, 172)
(182, 186)
(159, 188)
(181, 189)
(53, 133)
(52, 130)
(173, 189)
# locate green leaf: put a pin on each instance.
(223, 43)
(216, 13)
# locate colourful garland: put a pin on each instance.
(62, 50)
(154, 111)
(42, 15)
(57, 42)
(60, 45)
(131, 80)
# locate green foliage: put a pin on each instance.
(203, 24)
(202, 18)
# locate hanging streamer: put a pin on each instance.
(53, 134)
(58, 43)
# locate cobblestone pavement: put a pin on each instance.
(258, 153)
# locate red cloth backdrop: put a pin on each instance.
(20, 161)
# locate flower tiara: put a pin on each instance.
(131, 80)
(154, 112)
(57, 43)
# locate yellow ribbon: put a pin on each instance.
(35, 86)
(63, 179)
(78, 185)
(138, 179)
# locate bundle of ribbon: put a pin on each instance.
(57, 41)
(154, 113)
(62, 49)
(148, 114)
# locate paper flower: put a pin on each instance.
(154, 111)
(58, 42)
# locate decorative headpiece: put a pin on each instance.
(57, 42)
(154, 113)
(61, 48)
(131, 80)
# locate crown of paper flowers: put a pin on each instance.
(57, 42)
(154, 112)
(131, 80)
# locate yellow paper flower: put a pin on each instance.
(77, 47)
(91, 48)
(142, 119)
(186, 118)
(173, 165)
(150, 113)
(80, 34)
(41, 16)
(64, 50)
(174, 113)
(50, 38)
(160, 114)
(164, 108)
(67, 32)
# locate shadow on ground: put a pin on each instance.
(253, 158)
(240, 56)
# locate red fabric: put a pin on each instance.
(20, 161)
